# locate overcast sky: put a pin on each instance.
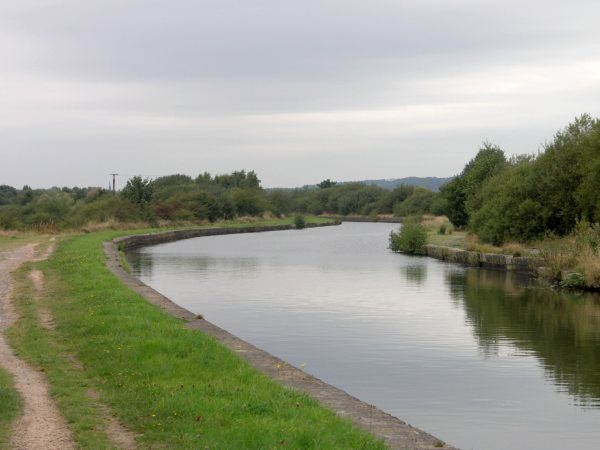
(298, 91)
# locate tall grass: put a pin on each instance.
(578, 252)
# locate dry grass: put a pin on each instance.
(433, 223)
(12, 239)
(457, 239)
(510, 248)
(112, 224)
(558, 253)
(578, 252)
(464, 240)
(588, 262)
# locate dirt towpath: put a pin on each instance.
(41, 426)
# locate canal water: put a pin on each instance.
(481, 359)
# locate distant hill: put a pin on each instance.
(432, 183)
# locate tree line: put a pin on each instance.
(529, 196)
(519, 198)
(205, 198)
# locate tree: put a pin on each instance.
(138, 190)
(326, 184)
(390, 198)
(247, 202)
(458, 193)
(25, 196)
(417, 203)
(8, 194)
(239, 179)
(550, 193)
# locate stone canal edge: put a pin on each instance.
(396, 433)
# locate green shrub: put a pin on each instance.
(417, 203)
(105, 208)
(247, 202)
(138, 190)
(573, 280)
(411, 238)
(300, 222)
(9, 218)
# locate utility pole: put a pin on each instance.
(113, 187)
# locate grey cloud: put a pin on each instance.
(287, 88)
(274, 40)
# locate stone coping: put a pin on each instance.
(140, 240)
(396, 434)
(521, 264)
(366, 219)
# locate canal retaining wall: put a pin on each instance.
(140, 240)
(365, 219)
(521, 264)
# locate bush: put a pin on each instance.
(458, 196)
(107, 207)
(418, 202)
(138, 190)
(247, 202)
(10, 218)
(411, 238)
(573, 280)
(299, 222)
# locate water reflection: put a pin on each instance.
(561, 328)
(140, 263)
(414, 274)
(239, 267)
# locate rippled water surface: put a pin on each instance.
(481, 359)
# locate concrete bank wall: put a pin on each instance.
(365, 219)
(397, 434)
(141, 240)
(528, 265)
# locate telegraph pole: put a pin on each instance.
(113, 176)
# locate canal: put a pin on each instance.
(482, 359)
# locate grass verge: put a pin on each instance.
(10, 406)
(444, 235)
(176, 387)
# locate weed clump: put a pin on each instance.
(411, 238)
(576, 255)
(300, 222)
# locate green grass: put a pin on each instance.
(47, 350)
(11, 240)
(10, 406)
(176, 387)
